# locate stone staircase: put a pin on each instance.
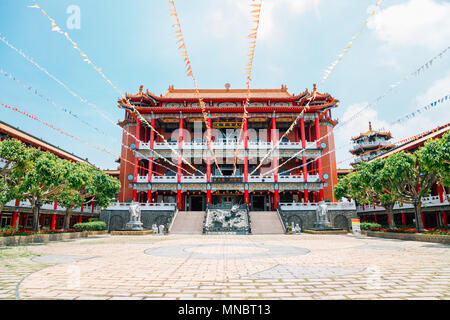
(188, 222)
(266, 222)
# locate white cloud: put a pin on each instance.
(427, 120)
(414, 23)
(232, 19)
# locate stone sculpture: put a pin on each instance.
(135, 218)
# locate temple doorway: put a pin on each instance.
(196, 203)
(259, 203)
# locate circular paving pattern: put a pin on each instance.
(220, 251)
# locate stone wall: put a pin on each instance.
(40, 238)
(117, 219)
(307, 219)
(411, 236)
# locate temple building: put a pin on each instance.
(370, 144)
(193, 171)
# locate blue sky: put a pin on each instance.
(133, 42)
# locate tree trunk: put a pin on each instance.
(67, 218)
(35, 210)
(418, 214)
(390, 214)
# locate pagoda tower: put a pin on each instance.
(370, 145)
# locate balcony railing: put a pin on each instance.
(251, 179)
(156, 206)
(225, 144)
(299, 206)
(51, 207)
(430, 201)
(371, 143)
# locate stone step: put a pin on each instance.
(188, 222)
(266, 222)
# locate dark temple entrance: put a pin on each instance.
(258, 203)
(196, 203)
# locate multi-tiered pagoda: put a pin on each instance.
(177, 116)
(370, 144)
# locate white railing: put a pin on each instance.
(225, 144)
(2, 163)
(258, 179)
(430, 201)
(254, 179)
(371, 143)
(297, 206)
(51, 207)
(164, 179)
(144, 206)
(193, 179)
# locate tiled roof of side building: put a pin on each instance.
(36, 142)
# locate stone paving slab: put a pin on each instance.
(232, 267)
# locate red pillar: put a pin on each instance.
(423, 219)
(319, 160)
(444, 218)
(375, 217)
(53, 225)
(274, 139)
(245, 127)
(304, 166)
(403, 219)
(208, 160)
(180, 162)
(80, 218)
(441, 193)
(150, 160)
(14, 219)
(138, 133)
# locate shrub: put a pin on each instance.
(91, 226)
(93, 219)
(369, 225)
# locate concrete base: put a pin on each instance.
(41, 238)
(325, 231)
(131, 233)
(411, 236)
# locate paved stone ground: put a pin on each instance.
(229, 267)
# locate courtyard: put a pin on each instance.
(226, 267)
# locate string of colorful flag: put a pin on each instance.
(428, 107)
(73, 93)
(35, 118)
(10, 76)
(415, 73)
(335, 63)
(189, 73)
(310, 99)
(85, 57)
(255, 13)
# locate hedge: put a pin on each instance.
(91, 226)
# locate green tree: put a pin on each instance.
(15, 161)
(407, 175)
(85, 185)
(436, 159)
(42, 181)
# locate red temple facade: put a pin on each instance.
(154, 170)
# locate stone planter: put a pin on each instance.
(97, 233)
(40, 238)
(131, 233)
(411, 236)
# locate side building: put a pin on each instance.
(435, 207)
(52, 215)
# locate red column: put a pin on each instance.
(180, 162)
(403, 219)
(274, 139)
(150, 160)
(138, 133)
(423, 219)
(444, 218)
(80, 218)
(208, 160)
(304, 166)
(14, 219)
(319, 160)
(375, 217)
(245, 139)
(53, 225)
(441, 193)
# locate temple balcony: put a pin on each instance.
(312, 206)
(227, 144)
(157, 206)
(370, 144)
(51, 207)
(427, 202)
(239, 179)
